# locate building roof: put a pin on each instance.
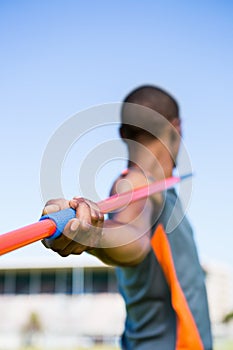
(48, 261)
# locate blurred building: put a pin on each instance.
(51, 301)
(72, 276)
(219, 285)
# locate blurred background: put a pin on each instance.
(61, 57)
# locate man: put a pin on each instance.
(150, 241)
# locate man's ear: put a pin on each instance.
(176, 123)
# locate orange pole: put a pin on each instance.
(26, 235)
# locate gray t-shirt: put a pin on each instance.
(151, 320)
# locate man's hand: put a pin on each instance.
(80, 233)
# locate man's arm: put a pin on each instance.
(124, 239)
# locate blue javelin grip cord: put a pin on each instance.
(60, 218)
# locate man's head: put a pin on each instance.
(155, 98)
(151, 97)
(146, 112)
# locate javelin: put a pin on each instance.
(52, 225)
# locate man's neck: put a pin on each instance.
(154, 159)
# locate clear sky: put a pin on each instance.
(60, 57)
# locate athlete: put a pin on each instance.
(149, 241)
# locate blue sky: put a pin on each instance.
(61, 57)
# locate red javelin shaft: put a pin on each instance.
(46, 228)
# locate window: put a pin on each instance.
(47, 282)
(22, 280)
(2, 280)
(99, 281)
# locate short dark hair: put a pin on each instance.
(151, 97)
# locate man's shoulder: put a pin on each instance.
(129, 180)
